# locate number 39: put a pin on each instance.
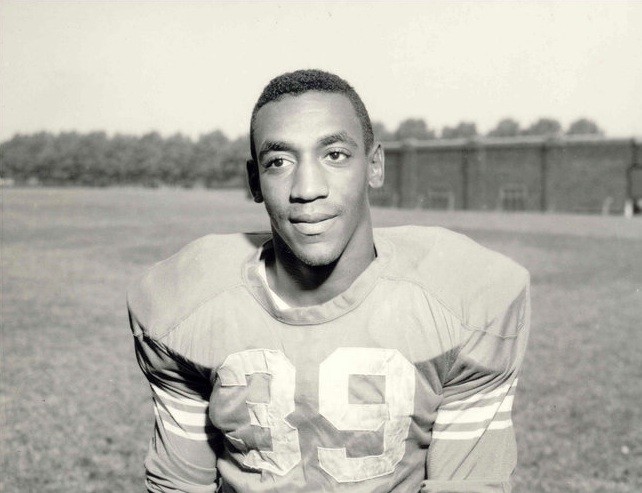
(334, 372)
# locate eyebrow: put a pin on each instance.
(338, 137)
(273, 146)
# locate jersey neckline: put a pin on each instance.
(324, 312)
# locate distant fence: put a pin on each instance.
(571, 174)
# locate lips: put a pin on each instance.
(311, 217)
(312, 223)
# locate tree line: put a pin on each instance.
(149, 160)
(211, 160)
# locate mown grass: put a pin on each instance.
(76, 411)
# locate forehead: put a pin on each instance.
(307, 117)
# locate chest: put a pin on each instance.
(349, 397)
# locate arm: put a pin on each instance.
(182, 452)
(473, 443)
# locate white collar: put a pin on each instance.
(278, 301)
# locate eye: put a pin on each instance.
(337, 156)
(278, 162)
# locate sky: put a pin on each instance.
(193, 67)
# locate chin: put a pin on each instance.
(316, 255)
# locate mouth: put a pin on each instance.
(312, 224)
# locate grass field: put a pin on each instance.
(76, 409)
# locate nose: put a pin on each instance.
(309, 182)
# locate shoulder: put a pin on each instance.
(172, 289)
(475, 283)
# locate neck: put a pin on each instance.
(300, 284)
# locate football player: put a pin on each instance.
(325, 355)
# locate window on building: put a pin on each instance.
(512, 197)
(440, 198)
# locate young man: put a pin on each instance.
(326, 356)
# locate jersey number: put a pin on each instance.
(334, 405)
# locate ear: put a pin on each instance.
(376, 161)
(253, 180)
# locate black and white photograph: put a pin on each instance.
(294, 246)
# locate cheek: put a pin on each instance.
(273, 208)
(275, 196)
(351, 190)
(277, 211)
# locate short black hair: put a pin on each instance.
(301, 81)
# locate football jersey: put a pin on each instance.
(402, 383)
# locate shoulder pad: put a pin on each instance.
(474, 283)
(172, 289)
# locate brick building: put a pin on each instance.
(571, 174)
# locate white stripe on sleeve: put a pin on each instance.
(190, 435)
(185, 401)
(501, 425)
(480, 397)
(469, 435)
(187, 418)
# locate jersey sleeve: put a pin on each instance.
(183, 449)
(473, 445)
